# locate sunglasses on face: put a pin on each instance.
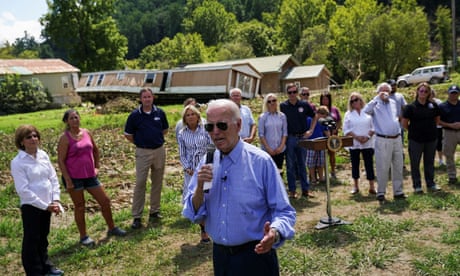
(423, 91)
(271, 101)
(292, 92)
(354, 100)
(31, 136)
(220, 125)
(305, 94)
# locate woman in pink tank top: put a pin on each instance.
(78, 158)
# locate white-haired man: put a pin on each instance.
(388, 145)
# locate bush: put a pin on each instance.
(21, 96)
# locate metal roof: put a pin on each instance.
(35, 66)
(305, 72)
(261, 64)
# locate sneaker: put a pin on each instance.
(354, 191)
(418, 190)
(452, 180)
(87, 241)
(55, 272)
(116, 231)
(434, 188)
(155, 216)
(136, 223)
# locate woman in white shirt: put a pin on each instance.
(37, 185)
(359, 125)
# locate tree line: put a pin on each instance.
(358, 40)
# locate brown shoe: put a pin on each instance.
(308, 194)
(372, 191)
(293, 195)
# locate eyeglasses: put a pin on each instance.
(271, 101)
(220, 125)
(305, 94)
(31, 136)
(354, 100)
(292, 92)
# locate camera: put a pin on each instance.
(329, 122)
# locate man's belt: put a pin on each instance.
(233, 250)
(388, 136)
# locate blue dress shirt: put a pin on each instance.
(246, 192)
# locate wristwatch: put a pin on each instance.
(277, 234)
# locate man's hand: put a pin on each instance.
(265, 245)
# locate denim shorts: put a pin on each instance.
(83, 183)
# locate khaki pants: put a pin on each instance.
(154, 160)
(389, 155)
(449, 145)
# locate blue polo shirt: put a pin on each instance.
(450, 113)
(296, 115)
(147, 128)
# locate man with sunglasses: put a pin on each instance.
(450, 122)
(246, 210)
(296, 112)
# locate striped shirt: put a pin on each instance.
(192, 146)
(273, 126)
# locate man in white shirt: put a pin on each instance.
(248, 125)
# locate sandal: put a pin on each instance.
(354, 191)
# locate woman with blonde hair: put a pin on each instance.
(359, 125)
(193, 140)
(273, 130)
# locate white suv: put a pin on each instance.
(430, 74)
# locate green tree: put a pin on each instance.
(313, 46)
(391, 50)
(444, 32)
(86, 32)
(212, 22)
(170, 53)
(258, 36)
(234, 50)
(26, 47)
(19, 96)
(295, 16)
(349, 27)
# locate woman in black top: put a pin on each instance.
(420, 119)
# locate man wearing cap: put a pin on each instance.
(388, 145)
(450, 122)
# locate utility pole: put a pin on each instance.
(454, 39)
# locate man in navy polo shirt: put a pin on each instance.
(296, 112)
(450, 122)
(146, 127)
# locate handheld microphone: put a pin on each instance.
(210, 149)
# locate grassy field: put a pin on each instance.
(419, 236)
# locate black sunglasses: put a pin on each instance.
(271, 101)
(354, 100)
(220, 125)
(292, 92)
(305, 94)
(30, 136)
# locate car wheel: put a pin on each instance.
(435, 81)
(402, 84)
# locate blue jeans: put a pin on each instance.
(295, 164)
(416, 150)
